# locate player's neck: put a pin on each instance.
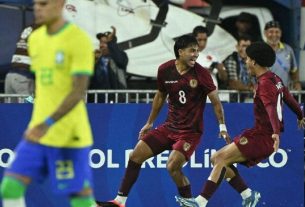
(261, 71)
(181, 68)
(56, 25)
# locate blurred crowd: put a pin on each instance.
(231, 73)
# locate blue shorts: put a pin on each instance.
(67, 168)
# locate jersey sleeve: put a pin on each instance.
(82, 55)
(160, 80)
(292, 104)
(207, 81)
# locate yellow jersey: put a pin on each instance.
(55, 59)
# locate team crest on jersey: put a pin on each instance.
(193, 83)
(186, 146)
(243, 141)
(59, 57)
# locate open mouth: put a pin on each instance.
(193, 61)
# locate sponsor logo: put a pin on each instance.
(171, 82)
(193, 83)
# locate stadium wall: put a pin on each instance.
(115, 128)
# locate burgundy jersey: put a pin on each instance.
(187, 95)
(268, 103)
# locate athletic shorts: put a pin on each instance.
(162, 138)
(254, 145)
(67, 168)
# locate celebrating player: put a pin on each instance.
(257, 143)
(187, 85)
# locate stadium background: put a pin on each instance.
(116, 124)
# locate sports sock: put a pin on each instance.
(246, 193)
(201, 201)
(130, 177)
(209, 189)
(121, 199)
(185, 191)
(12, 192)
(238, 183)
(87, 201)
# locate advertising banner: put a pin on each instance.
(279, 179)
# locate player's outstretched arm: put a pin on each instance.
(218, 109)
(293, 104)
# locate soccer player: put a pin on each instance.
(259, 142)
(187, 85)
(58, 138)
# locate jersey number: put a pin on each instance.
(46, 76)
(279, 108)
(182, 97)
(64, 169)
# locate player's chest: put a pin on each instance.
(187, 83)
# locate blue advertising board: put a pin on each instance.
(279, 179)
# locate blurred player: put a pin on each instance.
(259, 142)
(58, 138)
(187, 85)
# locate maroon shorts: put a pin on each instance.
(254, 145)
(162, 138)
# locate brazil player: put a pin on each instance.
(58, 138)
(259, 142)
(187, 86)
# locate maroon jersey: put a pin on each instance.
(256, 143)
(268, 103)
(187, 95)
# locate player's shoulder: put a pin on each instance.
(37, 36)
(270, 82)
(201, 70)
(77, 32)
(167, 65)
(38, 32)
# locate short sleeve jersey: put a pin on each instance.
(187, 95)
(55, 60)
(269, 91)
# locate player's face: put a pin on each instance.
(202, 39)
(189, 55)
(47, 11)
(241, 48)
(273, 35)
(250, 66)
